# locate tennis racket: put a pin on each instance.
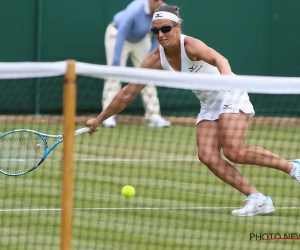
(23, 150)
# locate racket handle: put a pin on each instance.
(81, 131)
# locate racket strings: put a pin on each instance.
(20, 151)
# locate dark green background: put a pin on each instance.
(259, 37)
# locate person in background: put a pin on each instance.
(130, 35)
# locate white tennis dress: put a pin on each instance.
(213, 102)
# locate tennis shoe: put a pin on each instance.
(295, 173)
(255, 206)
(158, 122)
(110, 122)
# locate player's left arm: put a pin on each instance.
(125, 96)
(198, 50)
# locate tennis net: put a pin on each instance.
(179, 203)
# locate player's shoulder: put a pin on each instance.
(190, 41)
(152, 60)
(192, 44)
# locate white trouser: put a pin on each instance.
(137, 52)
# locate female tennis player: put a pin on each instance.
(224, 116)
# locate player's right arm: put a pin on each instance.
(126, 95)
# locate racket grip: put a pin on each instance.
(81, 131)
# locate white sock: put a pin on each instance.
(258, 196)
(295, 165)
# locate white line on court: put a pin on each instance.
(136, 160)
(130, 208)
(113, 160)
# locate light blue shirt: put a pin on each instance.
(133, 24)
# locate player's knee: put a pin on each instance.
(234, 155)
(207, 159)
(203, 157)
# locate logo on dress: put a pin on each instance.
(195, 68)
(227, 106)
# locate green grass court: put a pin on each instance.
(178, 205)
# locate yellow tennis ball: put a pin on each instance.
(128, 191)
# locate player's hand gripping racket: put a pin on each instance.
(23, 150)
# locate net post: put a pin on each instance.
(69, 110)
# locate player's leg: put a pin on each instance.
(149, 94)
(209, 146)
(233, 132)
(111, 87)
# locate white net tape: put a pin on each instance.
(20, 70)
(178, 80)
